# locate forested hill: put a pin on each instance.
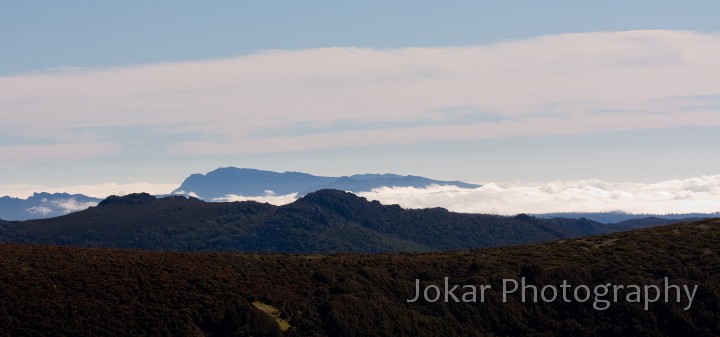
(321, 222)
(62, 291)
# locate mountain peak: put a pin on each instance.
(249, 182)
(326, 196)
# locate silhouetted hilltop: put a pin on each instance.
(320, 222)
(251, 182)
(61, 291)
(130, 199)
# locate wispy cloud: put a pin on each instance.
(71, 205)
(63, 206)
(42, 210)
(344, 97)
(37, 153)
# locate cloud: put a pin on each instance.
(100, 190)
(299, 100)
(43, 210)
(697, 194)
(72, 205)
(269, 197)
(36, 153)
(700, 194)
(60, 205)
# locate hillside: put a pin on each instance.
(321, 222)
(226, 181)
(70, 291)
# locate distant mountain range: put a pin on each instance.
(320, 222)
(219, 184)
(44, 205)
(251, 182)
(615, 217)
(223, 183)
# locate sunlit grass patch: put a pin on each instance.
(274, 313)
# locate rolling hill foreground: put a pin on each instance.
(62, 291)
(326, 221)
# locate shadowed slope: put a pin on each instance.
(70, 291)
(323, 221)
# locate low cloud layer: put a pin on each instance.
(101, 190)
(701, 194)
(63, 206)
(71, 205)
(269, 197)
(698, 194)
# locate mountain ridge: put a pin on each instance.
(225, 181)
(324, 221)
(43, 205)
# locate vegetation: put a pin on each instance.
(327, 221)
(64, 291)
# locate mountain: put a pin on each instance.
(43, 205)
(62, 291)
(251, 182)
(321, 222)
(614, 217)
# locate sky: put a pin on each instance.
(116, 97)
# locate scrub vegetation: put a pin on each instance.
(65, 291)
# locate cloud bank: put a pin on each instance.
(269, 197)
(701, 194)
(300, 100)
(100, 190)
(698, 194)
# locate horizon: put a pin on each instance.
(589, 106)
(678, 196)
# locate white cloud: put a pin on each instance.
(269, 197)
(39, 210)
(700, 194)
(72, 205)
(188, 194)
(62, 205)
(563, 84)
(100, 190)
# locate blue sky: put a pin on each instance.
(38, 35)
(147, 92)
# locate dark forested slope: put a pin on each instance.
(56, 291)
(321, 222)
